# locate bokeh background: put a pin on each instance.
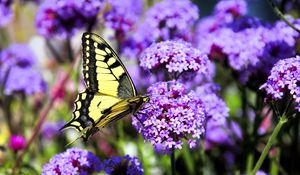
(216, 55)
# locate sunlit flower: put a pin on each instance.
(284, 79)
(171, 116)
(123, 165)
(17, 142)
(73, 161)
(174, 56)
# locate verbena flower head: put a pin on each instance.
(284, 79)
(64, 17)
(171, 116)
(230, 9)
(123, 15)
(166, 20)
(17, 73)
(123, 165)
(171, 19)
(5, 12)
(17, 142)
(174, 56)
(73, 161)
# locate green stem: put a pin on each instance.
(281, 16)
(173, 168)
(249, 163)
(263, 155)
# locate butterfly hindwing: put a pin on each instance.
(88, 108)
(103, 70)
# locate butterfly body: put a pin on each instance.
(110, 94)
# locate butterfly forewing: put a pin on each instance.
(102, 69)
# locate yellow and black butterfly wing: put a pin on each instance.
(88, 110)
(103, 70)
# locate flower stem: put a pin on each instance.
(173, 167)
(263, 155)
(42, 118)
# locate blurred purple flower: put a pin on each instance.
(284, 79)
(174, 56)
(123, 165)
(166, 20)
(171, 116)
(25, 80)
(51, 129)
(285, 32)
(17, 142)
(216, 109)
(65, 17)
(230, 9)
(6, 13)
(245, 22)
(221, 134)
(17, 73)
(123, 15)
(73, 161)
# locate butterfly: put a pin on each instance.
(110, 92)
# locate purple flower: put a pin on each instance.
(171, 116)
(166, 20)
(285, 32)
(73, 161)
(284, 79)
(65, 17)
(216, 109)
(123, 165)
(245, 22)
(5, 12)
(221, 134)
(174, 56)
(52, 129)
(230, 9)
(123, 15)
(17, 142)
(17, 73)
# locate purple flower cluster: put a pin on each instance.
(166, 20)
(246, 44)
(171, 19)
(123, 165)
(228, 10)
(5, 12)
(17, 73)
(73, 161)
(218, 129)
(175, 56)
(284, 79)
(171, 116)
(123, 15)
(64, 17)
